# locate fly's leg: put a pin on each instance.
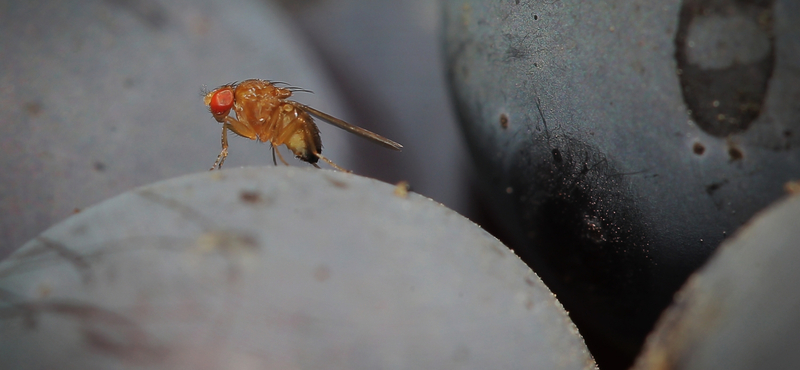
(275, 150)
(311, 148)
(237, 127)
(292, 128)
(224, 153)
(330, 162)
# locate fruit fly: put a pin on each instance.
(264, 113)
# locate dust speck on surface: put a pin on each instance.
(504, 121)
(698, 148)
(735, 153)
(529, 304)
(401, 189)
(99, 166)
(499, 250)
(322, 273)
(337, 183)
(33, 108)
(530, 281)
(713, 187)
(44, 290)
(250, 196)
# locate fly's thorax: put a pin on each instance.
(282, 93)
(261, 113)
(264, 89)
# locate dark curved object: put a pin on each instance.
(583, 125)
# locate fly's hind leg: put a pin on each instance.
(330, 162)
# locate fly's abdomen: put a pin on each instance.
(301, 134)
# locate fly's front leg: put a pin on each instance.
(224, 153)
(238, 127)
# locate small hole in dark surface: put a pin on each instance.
(735, 153)
(99, 166)
(557, 156)
(516, 1)
(503, 120)
(698, 148)
(787, 134)
(535, 17)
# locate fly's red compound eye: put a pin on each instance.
(221, 102)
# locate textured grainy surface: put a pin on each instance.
(623, 141)
(276, 268)
(103, 96)
(740, 311)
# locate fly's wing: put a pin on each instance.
(378, 139)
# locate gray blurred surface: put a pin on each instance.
(283, 268)
(623, 141)
(385, 56)
(102, 96)
(741, 310)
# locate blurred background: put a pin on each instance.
(104, 96)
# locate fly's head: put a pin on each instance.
(220, 101)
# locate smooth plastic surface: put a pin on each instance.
(740, 311)
(276, 267)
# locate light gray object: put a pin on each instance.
(102, 96)
(740, 311)
(276, 268)
(623, 141)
